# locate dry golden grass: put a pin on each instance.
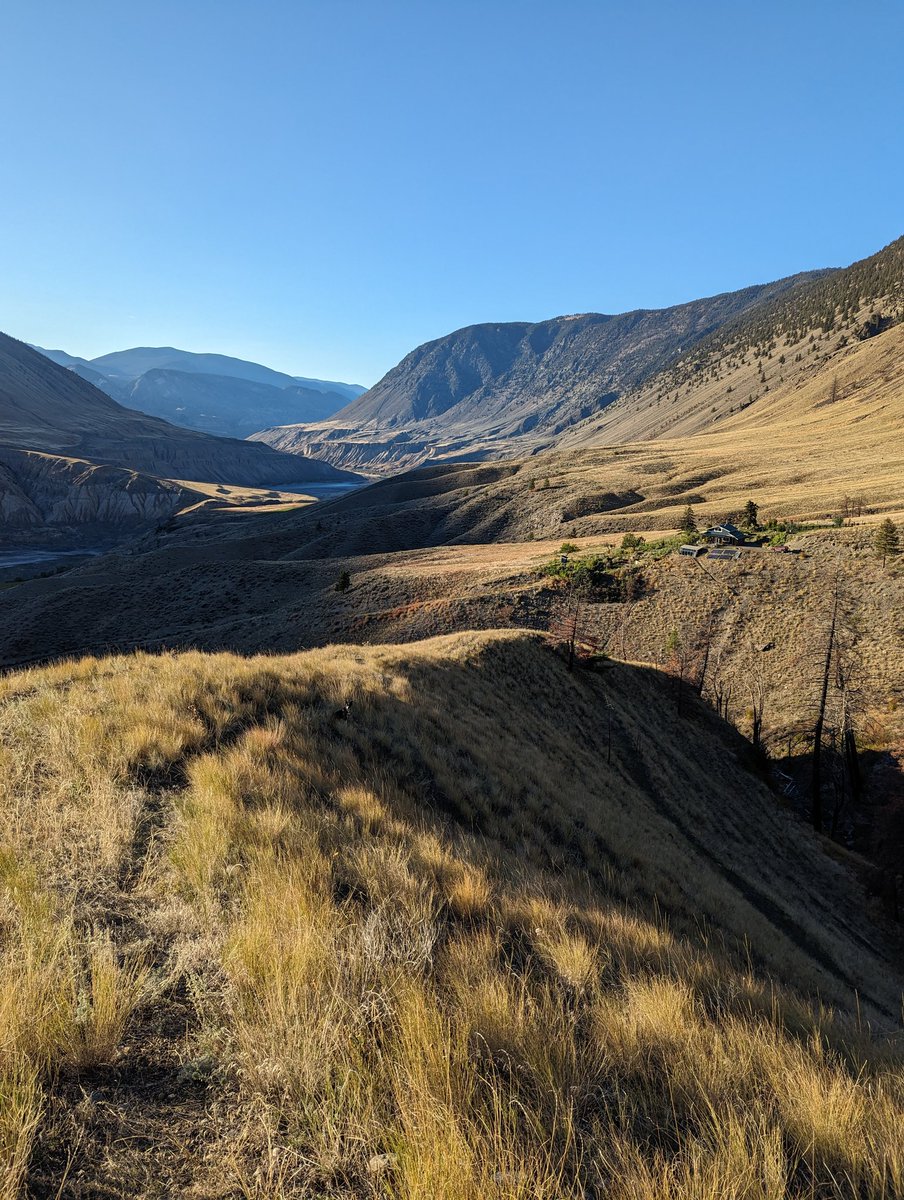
(427, 947)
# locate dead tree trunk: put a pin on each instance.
(816, 782)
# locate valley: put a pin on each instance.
(78, 468)
(360, 826)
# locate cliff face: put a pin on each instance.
(46, 497)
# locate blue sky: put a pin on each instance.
(322, 186)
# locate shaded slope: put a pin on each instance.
(47, 408)
(223, 405)
(392, 896)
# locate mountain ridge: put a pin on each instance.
(211, 393)
(73, 456)
(504, 390)
(500, 383)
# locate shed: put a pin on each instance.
(690, 551)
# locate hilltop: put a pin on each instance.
(348, 919)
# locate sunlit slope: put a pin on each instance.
(396, 921)
(802, 444)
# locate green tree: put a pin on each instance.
(887, 542)
(343, 582)
(688, 521)
(751, 515)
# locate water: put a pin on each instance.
(23, 556)
(320, 491)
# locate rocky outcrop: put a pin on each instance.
(46, 494)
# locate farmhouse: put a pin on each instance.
(724, 535)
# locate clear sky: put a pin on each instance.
(321, 185)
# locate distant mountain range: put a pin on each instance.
(70, 456)
(494, 390)
(212, 393)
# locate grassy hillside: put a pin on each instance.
(789, 345)
(397, 922)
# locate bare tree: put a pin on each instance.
(569, 624)
(816, 778)
(757, 690)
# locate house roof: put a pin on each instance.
(725, 530)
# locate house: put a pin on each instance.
(725, 535)
(690, 551)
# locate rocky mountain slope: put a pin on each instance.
(505, 390)
(213, 393)
(490, 387)
(70, 497)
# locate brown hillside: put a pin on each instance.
(331, 924)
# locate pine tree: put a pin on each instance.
(887, 542)
(688, 521)
(751, 515)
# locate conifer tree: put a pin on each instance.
(887, 542)
(751, 515)
(688, 522)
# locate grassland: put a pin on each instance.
(396, 921)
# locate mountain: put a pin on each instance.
(51, 417)
(212, 393)
(221, 404)
(129, 364)
(502, 390)
(489, 387)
